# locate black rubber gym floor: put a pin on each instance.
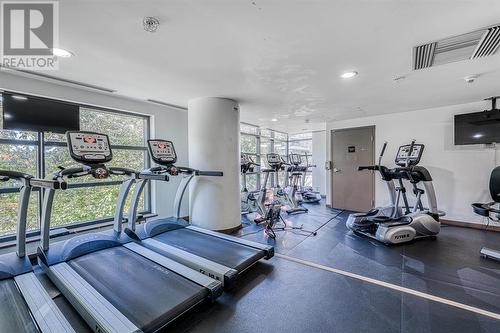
(281, 295)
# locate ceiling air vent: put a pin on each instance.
(489, 43)
(475, 44)
(55, 78)
(155, 101)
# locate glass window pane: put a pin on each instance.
(265, 148)
(245, 128)
(280, 148)
(300, 136)
(17, 158)
(300, 147)
(248, 144)
(252, 182)
(132, 159)
(83, 204)
(265, 132)
(121, 129)
(280, 136)
(308, 181)
(8, 212)
(58, 137)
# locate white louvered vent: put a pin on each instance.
(475, 44)
(489, 43)
(55, 78)
(155, 101)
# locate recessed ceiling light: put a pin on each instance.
(348, 75)
(19, 97)
(62, 53)
(274, 119)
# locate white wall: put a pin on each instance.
(460, 173)
(319, 158)
(168, 123)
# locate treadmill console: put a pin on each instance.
(405, 157)
(295, 159)
(89, 147)
(162, 151)
(273, 159)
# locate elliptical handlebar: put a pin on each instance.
(382, 152)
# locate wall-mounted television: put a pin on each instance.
(478, 127)
(28, 113)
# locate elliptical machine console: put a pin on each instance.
(395, 224)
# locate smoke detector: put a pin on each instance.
(150, 23)
(471, 78)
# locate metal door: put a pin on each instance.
(352, 189)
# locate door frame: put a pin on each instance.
(372, 127)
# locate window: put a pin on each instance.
(258, 142)
(302, 144)
(87, 199)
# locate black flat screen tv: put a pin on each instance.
(21, 112)
(477, 128)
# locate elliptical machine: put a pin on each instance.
(390, 225)
(491, 210)
(249, 200)
(287, 199)
(305, 194)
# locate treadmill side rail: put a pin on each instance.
(214, 287)
(212, 269)
(269, 250)
(97, 311)
(45, 312)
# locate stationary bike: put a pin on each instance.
(491, 210)
(390, 225)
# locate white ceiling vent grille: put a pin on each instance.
(475, 44)
(489, 43)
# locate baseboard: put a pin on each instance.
(470, 225)
(328, 206)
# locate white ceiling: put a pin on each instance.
(278, 58)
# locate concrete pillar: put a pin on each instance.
(214, 145)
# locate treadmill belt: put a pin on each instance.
(14, 312)
(148, 294)
(224, 252)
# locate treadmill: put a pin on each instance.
(25, 305)
(217, 255)
(116, 285)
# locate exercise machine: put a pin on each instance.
(217, 255)
(273, 222)
(115, 284)
(249, 199)
(26, 305)
(287, 199)
(305, 194)
(491, 210)
(390, 225)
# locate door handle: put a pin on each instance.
(336, 170)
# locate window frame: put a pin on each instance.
(41, 143)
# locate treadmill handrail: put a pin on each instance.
(80, 171)
(162, 173)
